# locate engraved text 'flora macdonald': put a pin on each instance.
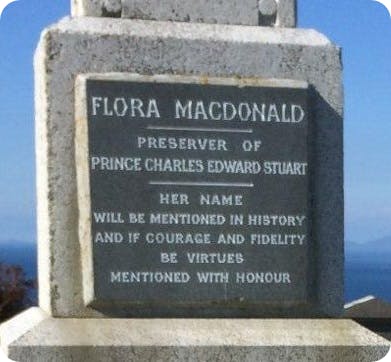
(198, 110)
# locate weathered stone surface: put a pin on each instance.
(239, 12)
(134, 46)
(268, 7)
(243, 12)
(287, 13)
(49, 339)
(98, 8)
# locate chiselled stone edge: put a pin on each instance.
(192, 31)
(83, 188)
(184, 79)
(185, 332)
(14, 329)
(33, 334)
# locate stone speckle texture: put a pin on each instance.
(105, 8)
(49, 339)
(239, 12)
(287, 13)
(268, 7)
(91, 45)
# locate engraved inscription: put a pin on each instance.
(200, 193)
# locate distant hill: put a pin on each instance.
(20, 253)
(382, 245)
(374, 251)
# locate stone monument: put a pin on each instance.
(190, 185)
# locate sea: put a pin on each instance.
(368, 275)
(365, 274)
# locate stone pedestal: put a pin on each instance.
(107, 46)
(197, 40)
(34, 336)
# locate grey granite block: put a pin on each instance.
(92, 45)
(33, 336)
(239, 12)
(202, 11)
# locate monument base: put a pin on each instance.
(35, 336)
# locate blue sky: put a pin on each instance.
(361, 27)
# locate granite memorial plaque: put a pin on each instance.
(194, 194)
